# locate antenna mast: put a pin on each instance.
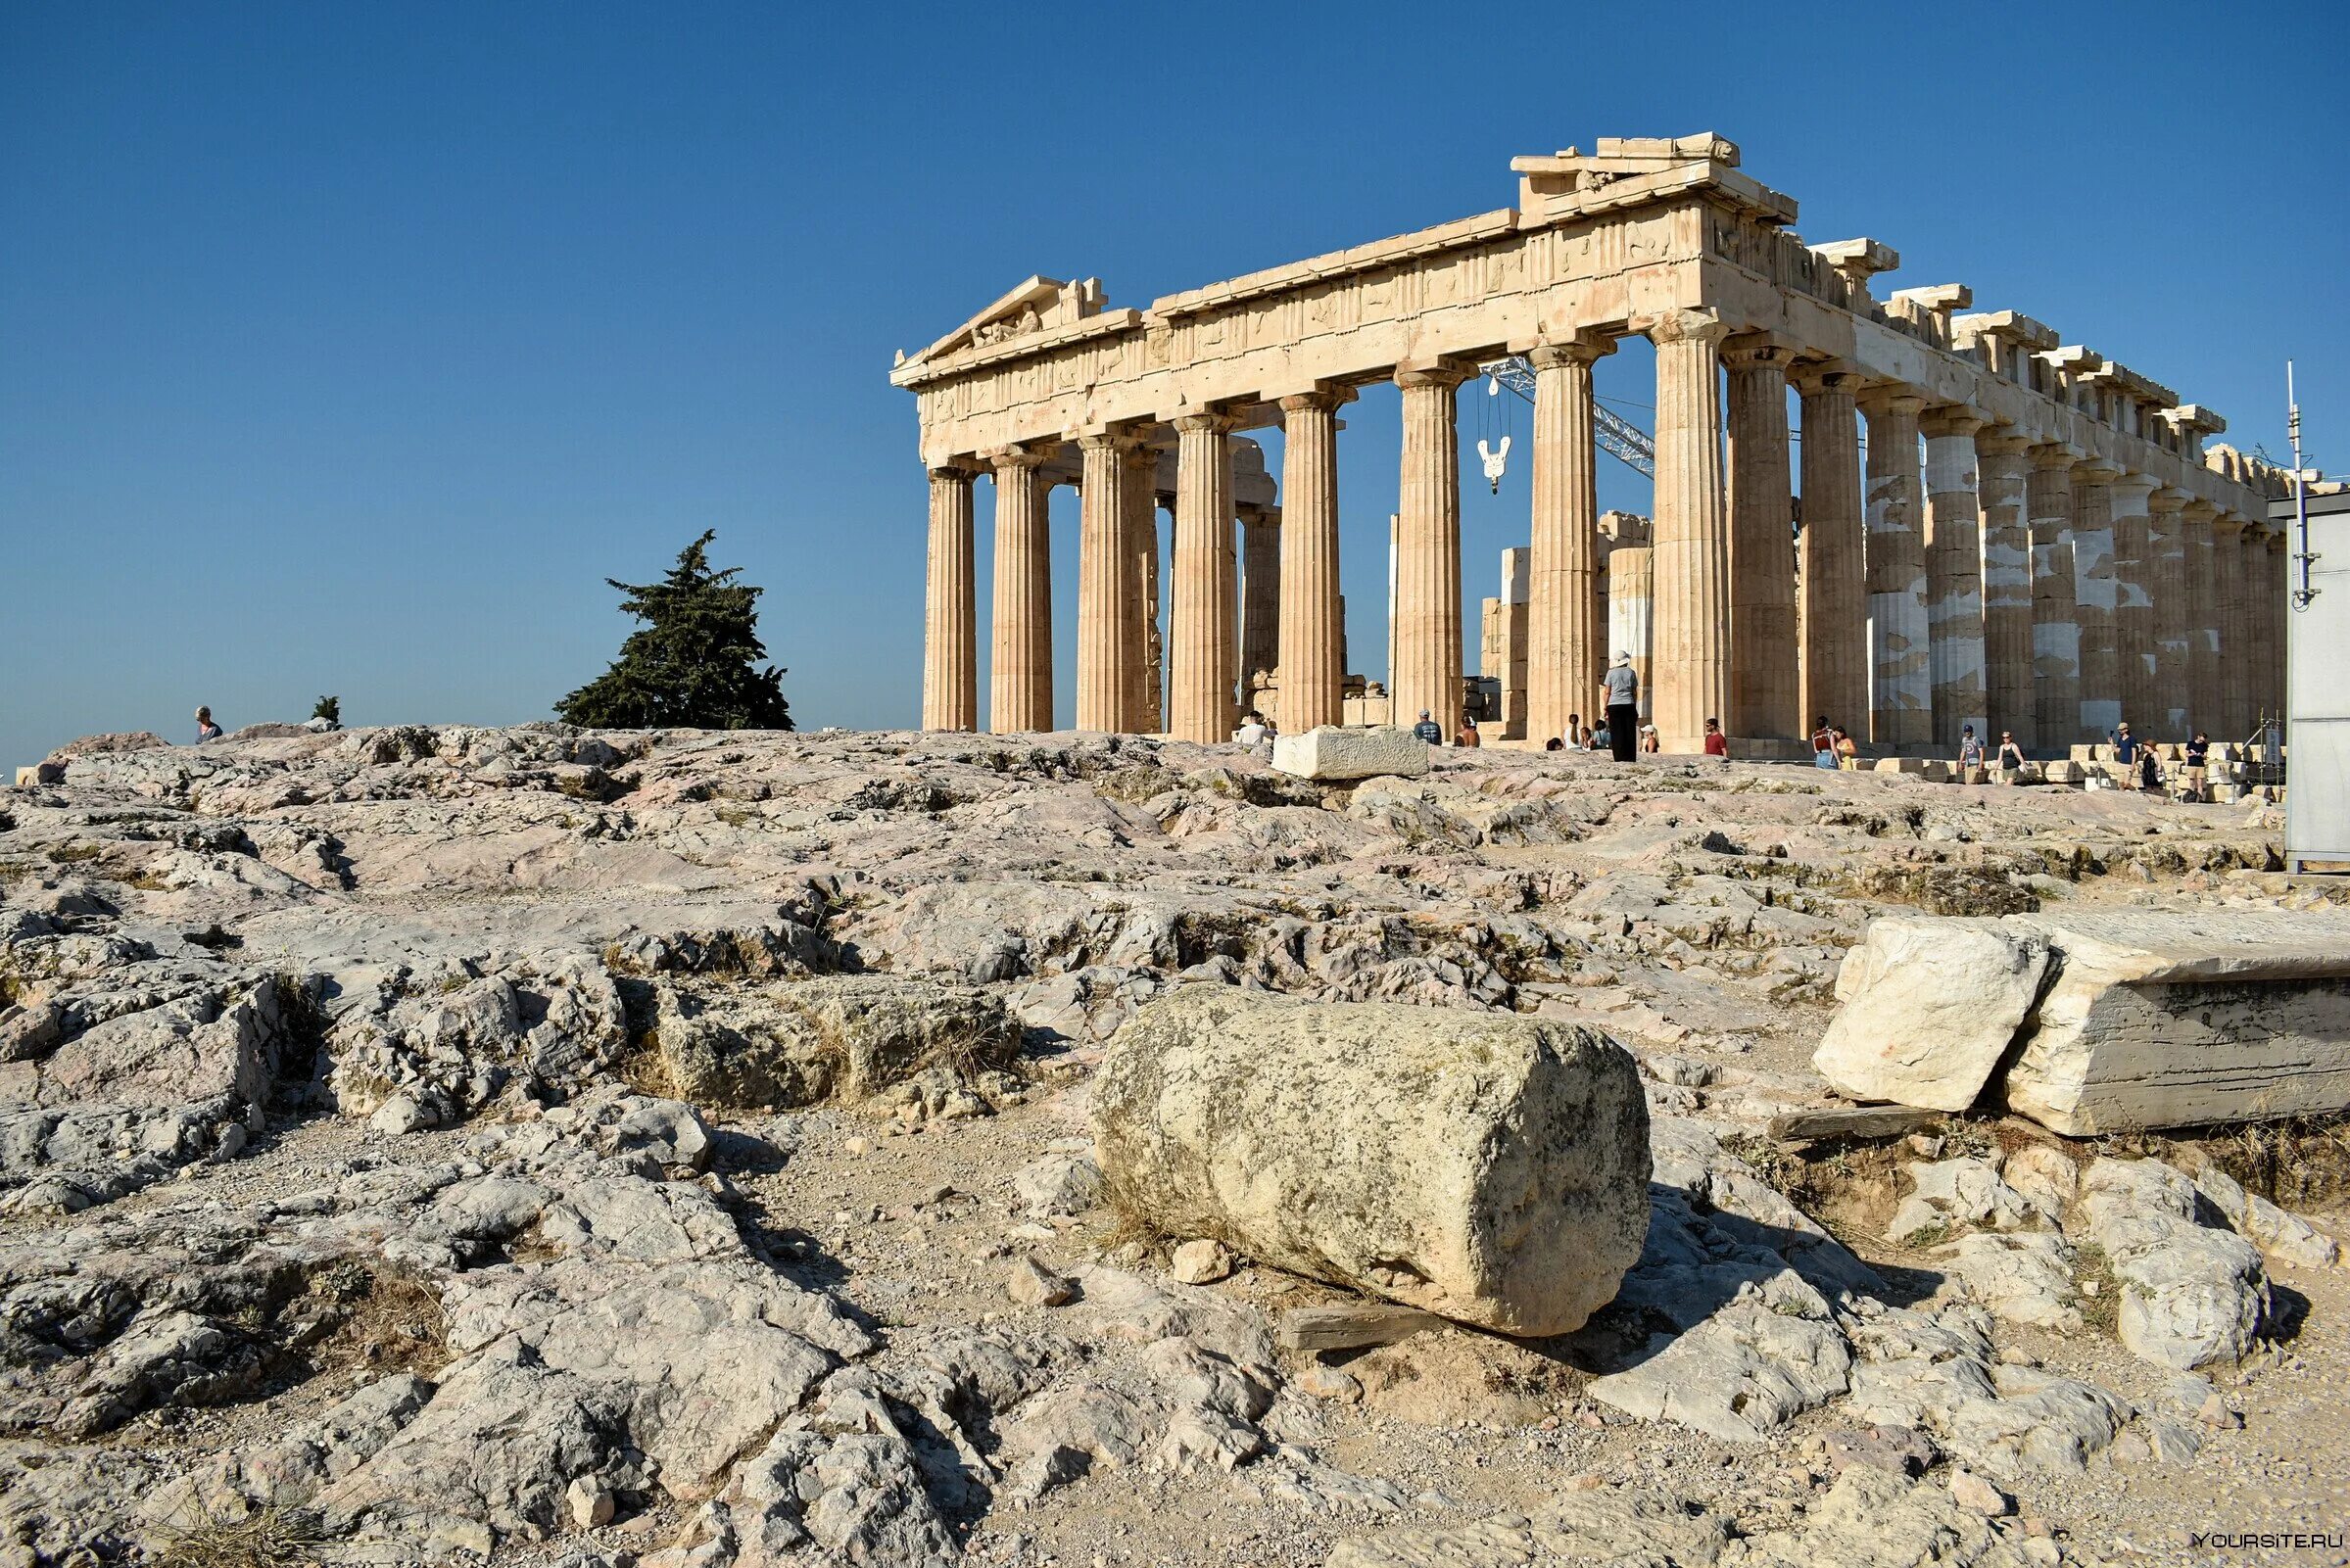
(2302, 558)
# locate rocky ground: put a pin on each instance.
(428, 1143)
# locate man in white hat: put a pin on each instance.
(1621, 683)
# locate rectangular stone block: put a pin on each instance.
(1332, 755)
(2064, 773)
(2143, 1020)
(40, 772)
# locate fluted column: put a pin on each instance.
(2055, 609)
(1109, 616)
(1763, 660)
(2269, 605)
(2233, 721)
(950, 653)
(2201, 566)
(1564, 661)
(1020, 688)
(2094, 598)
(1834, 582)
(2005, 475)
(1690, 637)
(1954, 574)
(1902, 686)
(1427, 567)
(2168, 611)
(2132, 602)
(1145, 700)
(1309, 639)
(1201, 685)
(1260, 598)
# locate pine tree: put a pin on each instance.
(694, 662)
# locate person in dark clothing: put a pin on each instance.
(1621, 683)
(1429, 729)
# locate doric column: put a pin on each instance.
(2134, 604)
(2200, 567)
(1763, 661)
(1689, 648)
(1020, 688)
(1310, 635)
(1631, 620)
(1109, 612)
(2004, 478)
(1260, 598)
(1201, 687)
(1834, 581)
(1954, 574)
(2055, 609)
(2232, 720)
(2093, 596)
(950, 653)
(1428, 568)
(1146, 700)
(1902, 689)
(2168, 611)
(2269, 594)
(1564, 659)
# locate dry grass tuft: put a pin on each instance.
(384, 1321)
(271, 1537)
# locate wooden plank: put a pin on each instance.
(1346, 1326)
(1855, 1121)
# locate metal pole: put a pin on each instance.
(2301, 557)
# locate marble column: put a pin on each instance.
(1564, 659)
(1109, 612)
(951, 655)
(2232, 720)
(1902, 686)
(2167, 612)
(1631, 621)
(1145, 702)
(2055, 609)
(1020, 688)
(2134, 605)
(1763, 658)
(2269, 592)
(2093, 600)
(1260, 598)
(1201, 686)
(1833, 579)
(1690, 644)
(2200, 565)
(2004, 481)
(1954, 574)
(1311, 636)
(1428, 568)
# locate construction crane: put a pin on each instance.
(1619, 438)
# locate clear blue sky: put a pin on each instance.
(349, 347)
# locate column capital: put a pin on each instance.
(1758, 350)
(2199, 510)
(1213, 421)
(1107, 438)
(2054, 454)
(963, 468)
(1816, 376)
(1249, 513)
(1583, 346)
(2227, 524)
(1687, 327)
(1023, 455)
(2096, 471)
(1882, 398)
(1320, 396)
(2167, 500)
(2001, 441)
(1438, 372)
(1951, 420)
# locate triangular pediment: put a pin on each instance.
(1033, 305)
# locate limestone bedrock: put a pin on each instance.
(1491, 1169)
(1331, 755)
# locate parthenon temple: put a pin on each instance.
(2032, 536)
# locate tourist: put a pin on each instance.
(1970, 752)
(1576, 735)
(1718, 745)
(1252, 731)
(2149, 771)
(2125, 746)
(1603, 737)
(1585, 740)
(1468, 738)
(206, 729)
(2010, 759)
(1621, 683)
(1649, 744)
(1554, 743)
(1429, 729)
(2198, 767)
(1823, 743)
(1847, 752)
